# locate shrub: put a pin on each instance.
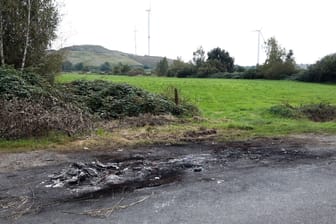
(180, 69)
(30, 107)
(320, 112)
(278, 70)
(110, 101)
(248, 74)
(136, 71)
(284, 110)
(322, 71)
(25, 85)
(49, 66)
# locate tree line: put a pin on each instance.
(104, 68)
(218, 63)
(279, 64)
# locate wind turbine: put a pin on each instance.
(259, 35)
(149, 37)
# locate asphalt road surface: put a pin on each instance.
(259, 181)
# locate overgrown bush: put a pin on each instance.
(30, 107)
(320, 112)
(109, 100)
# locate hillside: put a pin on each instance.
(94, 55)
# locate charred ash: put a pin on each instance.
(82, 178)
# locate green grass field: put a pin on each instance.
(238, 104)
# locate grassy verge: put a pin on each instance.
(53, 141)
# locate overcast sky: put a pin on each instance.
(179, 27)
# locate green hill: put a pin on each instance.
(94, 55)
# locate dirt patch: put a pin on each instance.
(18, 161)
(140, 121)
(166, 135)
(201, 134)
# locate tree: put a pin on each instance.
(220, 60)
(50, 65)
(106, 67)
(27, 29)
(199, 57)
(275, 53)
(117, 69)
(206, 69)
(180, 69)
(79, 66)
(136, 71)
(125, 69)
(279, 64)
(162, 67)
(238, 68)
(290, 58)
(121, 69)
(67, 66)
(323, 70)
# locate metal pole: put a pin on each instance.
(149, 11)
(135, 40)
(258, 57)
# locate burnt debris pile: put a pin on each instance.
(83, 178)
